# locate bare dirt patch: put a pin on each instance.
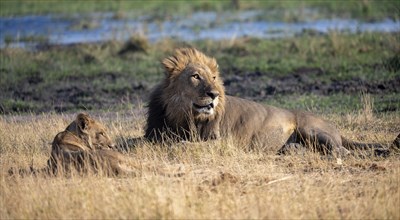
(307, 80)
(104, 90)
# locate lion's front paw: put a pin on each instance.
(212, 135)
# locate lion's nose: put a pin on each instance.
(213, 94)
(112, 146)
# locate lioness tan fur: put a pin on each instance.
(190, 103)
(85, 145)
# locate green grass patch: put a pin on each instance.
(340, 56)
(337, 103)
(27, 39)
(11, 105)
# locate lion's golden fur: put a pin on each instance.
(183, 57)
(177, 111)
(85, 145)
(168, 108)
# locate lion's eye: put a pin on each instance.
(101, 133)
(196, 76)
(214, 77)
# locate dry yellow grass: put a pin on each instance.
(220, 180)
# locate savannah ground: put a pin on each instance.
(351, 79)
(218, 180)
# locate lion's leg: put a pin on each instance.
(322, 141)
(319, 135)
(292, 145)
(292, 148)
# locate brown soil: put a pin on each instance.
(303, 81)
(82, 93)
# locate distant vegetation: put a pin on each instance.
(291, 72)
(277, 10)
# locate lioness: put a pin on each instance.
(85, 145)
(190, 103)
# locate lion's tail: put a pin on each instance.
(396, 144)
(28, 172)
(353, 145)
(378, 148)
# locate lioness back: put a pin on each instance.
(85, 145)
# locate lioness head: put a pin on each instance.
(192, 86)
(92, 132)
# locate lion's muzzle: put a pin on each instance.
(213, 94)
(204, 107)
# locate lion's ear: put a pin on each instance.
(213, 65)
(170, 65)
(83, 120)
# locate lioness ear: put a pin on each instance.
(82, 120)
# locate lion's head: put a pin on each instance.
(92, 132)
(191, 93)
(193, 85)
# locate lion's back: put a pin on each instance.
(252, 122)
(241, 116)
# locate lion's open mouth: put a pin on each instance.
(206, 109)
(209, 106)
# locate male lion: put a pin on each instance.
(190, 104)
(85, 145)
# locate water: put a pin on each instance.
(200, 25)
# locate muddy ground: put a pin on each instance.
(303, 81)
(80, 93)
